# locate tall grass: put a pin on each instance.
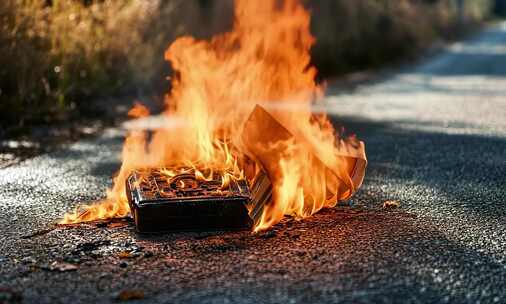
(57, 55)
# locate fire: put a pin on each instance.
(264, 60)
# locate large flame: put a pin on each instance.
(264, 60)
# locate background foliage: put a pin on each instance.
(58, 55)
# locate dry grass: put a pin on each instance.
(55, 58)
(364, 34)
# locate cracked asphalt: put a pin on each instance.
(435, 135)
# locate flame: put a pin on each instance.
(265, 60)
(138, 110)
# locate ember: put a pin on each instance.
(239, 115)
(181, 183)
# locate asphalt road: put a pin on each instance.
(436, 141)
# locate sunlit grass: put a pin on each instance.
(55, 58)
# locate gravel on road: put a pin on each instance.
(435, 135)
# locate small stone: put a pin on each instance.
(294, 236)
(135, 254)
(391, 204)
(300, 253)
(269, 234)
(28, 260)
(125, 255)
(101, 224)
(73, 260)
(117, 225)
(123, 264)
(104, 275)
(127, 295)
(62, 266)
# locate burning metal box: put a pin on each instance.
(161, 202)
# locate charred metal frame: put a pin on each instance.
(158, 204)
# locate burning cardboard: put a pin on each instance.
(269, 142)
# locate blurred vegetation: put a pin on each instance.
(500, 8)
(365, 34)
(58, 55)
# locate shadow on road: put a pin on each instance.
(465, 170)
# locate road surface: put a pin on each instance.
(436, 142)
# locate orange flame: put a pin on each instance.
(264, 60)
(138, 110)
